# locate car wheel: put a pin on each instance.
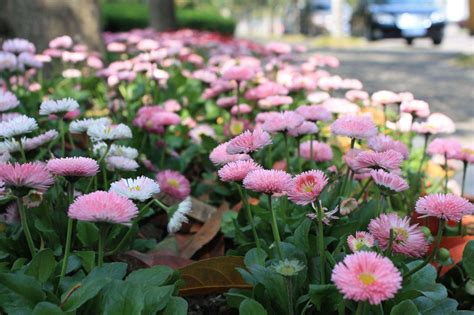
(409, 41)
(369, 34)
(437, 40)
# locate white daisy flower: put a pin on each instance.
(81, 126)
(8, 101)
(115, 150)
(18, 45)
(120, 163)
(4, 157)
(179, 216)
(59, 106)
(29, 144)
(17, 126)
(113, 132)
(140, 188)
(7, 61)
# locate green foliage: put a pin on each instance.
(126, 16)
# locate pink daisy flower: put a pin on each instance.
(416, 108)
(359, 127)
(173, 184)
(448, 147)
(306, 128)
(322, 152)
(357, 95)
(274, 100)
(282, 122)
(227, 101)
(367, 276)
(389, 181)
(381, 143)
(8, 101)
(237, 171)
(26, 176)
(314, 113)
(318, 97)
(359, 241)
(239, 73)
(466, 154)
(436, 123)
(389, 161)
(307, 186)
(101, 206)
(341, 106)
(266, 89)
(249, 141)
(219, 155)
(447, 207)
(268, 181)
(242, 108)
(385, 98)
(73, 167)
(408, 239)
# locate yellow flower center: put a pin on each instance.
(308, 187)
(173, 183)
(401, 234)
(134, 188)
(236, 128)
(367, 278)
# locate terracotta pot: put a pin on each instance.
(455, 245)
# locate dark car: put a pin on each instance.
(409, 19)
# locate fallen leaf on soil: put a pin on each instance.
(208, 231)
(214, 275)
(137, 260)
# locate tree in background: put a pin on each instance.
(42, 20)
(163, 15)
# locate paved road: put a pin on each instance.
(429, 75)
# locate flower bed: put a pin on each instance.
(188, 164)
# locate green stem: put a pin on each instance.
(298, 155)
(276, 233)
(441, 226)
(248, 212)
(24, 224)
(321, 247)
(289, 291)
(71, 140)
(269, 160)
(94, 178)
(70, 223)
(61, 130)
(364, 188)
(238, 99)
(463, 186)
(130, 230)
(163, 152)
(423, 157)
(22, 150)
(445, 173)
(388, 252)
(103, 230)
(311, 153)
(162, 205)
(287, 153)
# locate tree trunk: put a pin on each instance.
(163, 15)
(42, 20)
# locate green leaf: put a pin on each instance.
(13, 303)
(87, 259)
(406, 307)
(47, 308)
(255, 256)
(302, 236)
(176, 306)
(114, 270)
(92, 284)
(24, 285)
(275, 285)
(468, 259)
(87, 233)
(424, 282)
(428, 306)
(320, 294)
(154, 276)
(251, 307)
(87, 290)
(42, 265)
(122, 298)
(156, 298)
